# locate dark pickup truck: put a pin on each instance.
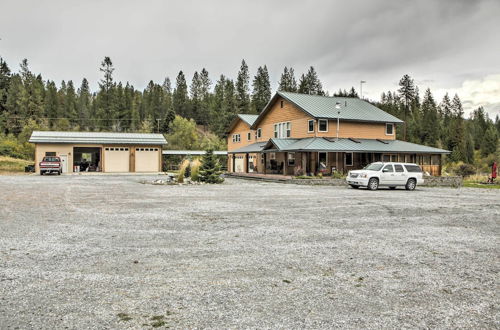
(51, 164)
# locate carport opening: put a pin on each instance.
(87, 159)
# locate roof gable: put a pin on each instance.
(246, 118)
(351, 109)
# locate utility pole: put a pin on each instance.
(361, 88)
(158, 125)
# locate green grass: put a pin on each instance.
(9, 164)
(479, 185)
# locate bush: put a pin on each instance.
(183, 169)
(195, 170)
(465, 170)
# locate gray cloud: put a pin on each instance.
(442, 44)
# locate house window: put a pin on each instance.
(258, 134)
(322, 161)
(348, 159)
(389, 129)
(291, 159)
(249, 136)
(236, 138)
(323, 125)
(50, 153)
(283, 130)
(281, 104)
(272, 155)
(310, 126)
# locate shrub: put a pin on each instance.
(195, 170)
(465, 170)
(183, 169)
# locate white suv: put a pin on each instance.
(389, 175)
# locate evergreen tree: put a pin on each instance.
(490, 141)
(196, 97)
(70, 110)
(210, 169)
(287, 82)
(261, 89)
(352, 93)
(310, 83)
(407, 93)
(106, 98)
(83, 104)
(180, 98)
(15, 101)
(51, 104)
(430, 128)
(457, 131)
(243, 89)
(206, 84)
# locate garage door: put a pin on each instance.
(238, 162)
(147, 159)
(116, 159)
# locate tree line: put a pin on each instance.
(28, 102)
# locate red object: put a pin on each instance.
(494, 171)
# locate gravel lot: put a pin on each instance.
(109, 252)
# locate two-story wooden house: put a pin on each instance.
(298, 134)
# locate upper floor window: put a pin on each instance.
(249, 136)
(258, 133)
(282, 130)
(323, 125)
(310, 126)
(281, 104)
(236, 138)
(389, 129)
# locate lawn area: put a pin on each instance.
(480, 185)
(9, 164)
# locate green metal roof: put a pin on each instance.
(97, 138)
(249, 119)
(354, 145)
(254, 147)
(351, 109)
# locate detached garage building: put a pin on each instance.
(100, 152)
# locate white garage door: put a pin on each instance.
(116, 159)
(147, 159)
(238, 162)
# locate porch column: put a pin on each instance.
(246, 163)
(264, 155)
(285, 161)
(234, 163)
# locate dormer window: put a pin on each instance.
(389, 129)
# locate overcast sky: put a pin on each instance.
(449, 45)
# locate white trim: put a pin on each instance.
(352, 159)
(281, 130)
(308, 126)
(319, 130)
(386, 125)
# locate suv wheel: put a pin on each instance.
(411, 184)
(373, 184)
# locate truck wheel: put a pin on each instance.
(353, 186)
(411, 184)
(373, 184)
(41, 172)
(58, 172)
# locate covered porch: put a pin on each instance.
(296, 157)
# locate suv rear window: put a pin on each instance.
(413, 168)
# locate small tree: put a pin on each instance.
(210, 168)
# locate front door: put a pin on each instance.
(387, 176)
(64, 161)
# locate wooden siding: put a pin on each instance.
(300, 124)
(243, 129)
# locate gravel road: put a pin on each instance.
(108, 252)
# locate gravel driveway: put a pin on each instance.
(109, 252)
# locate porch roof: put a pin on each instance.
(340, 145)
